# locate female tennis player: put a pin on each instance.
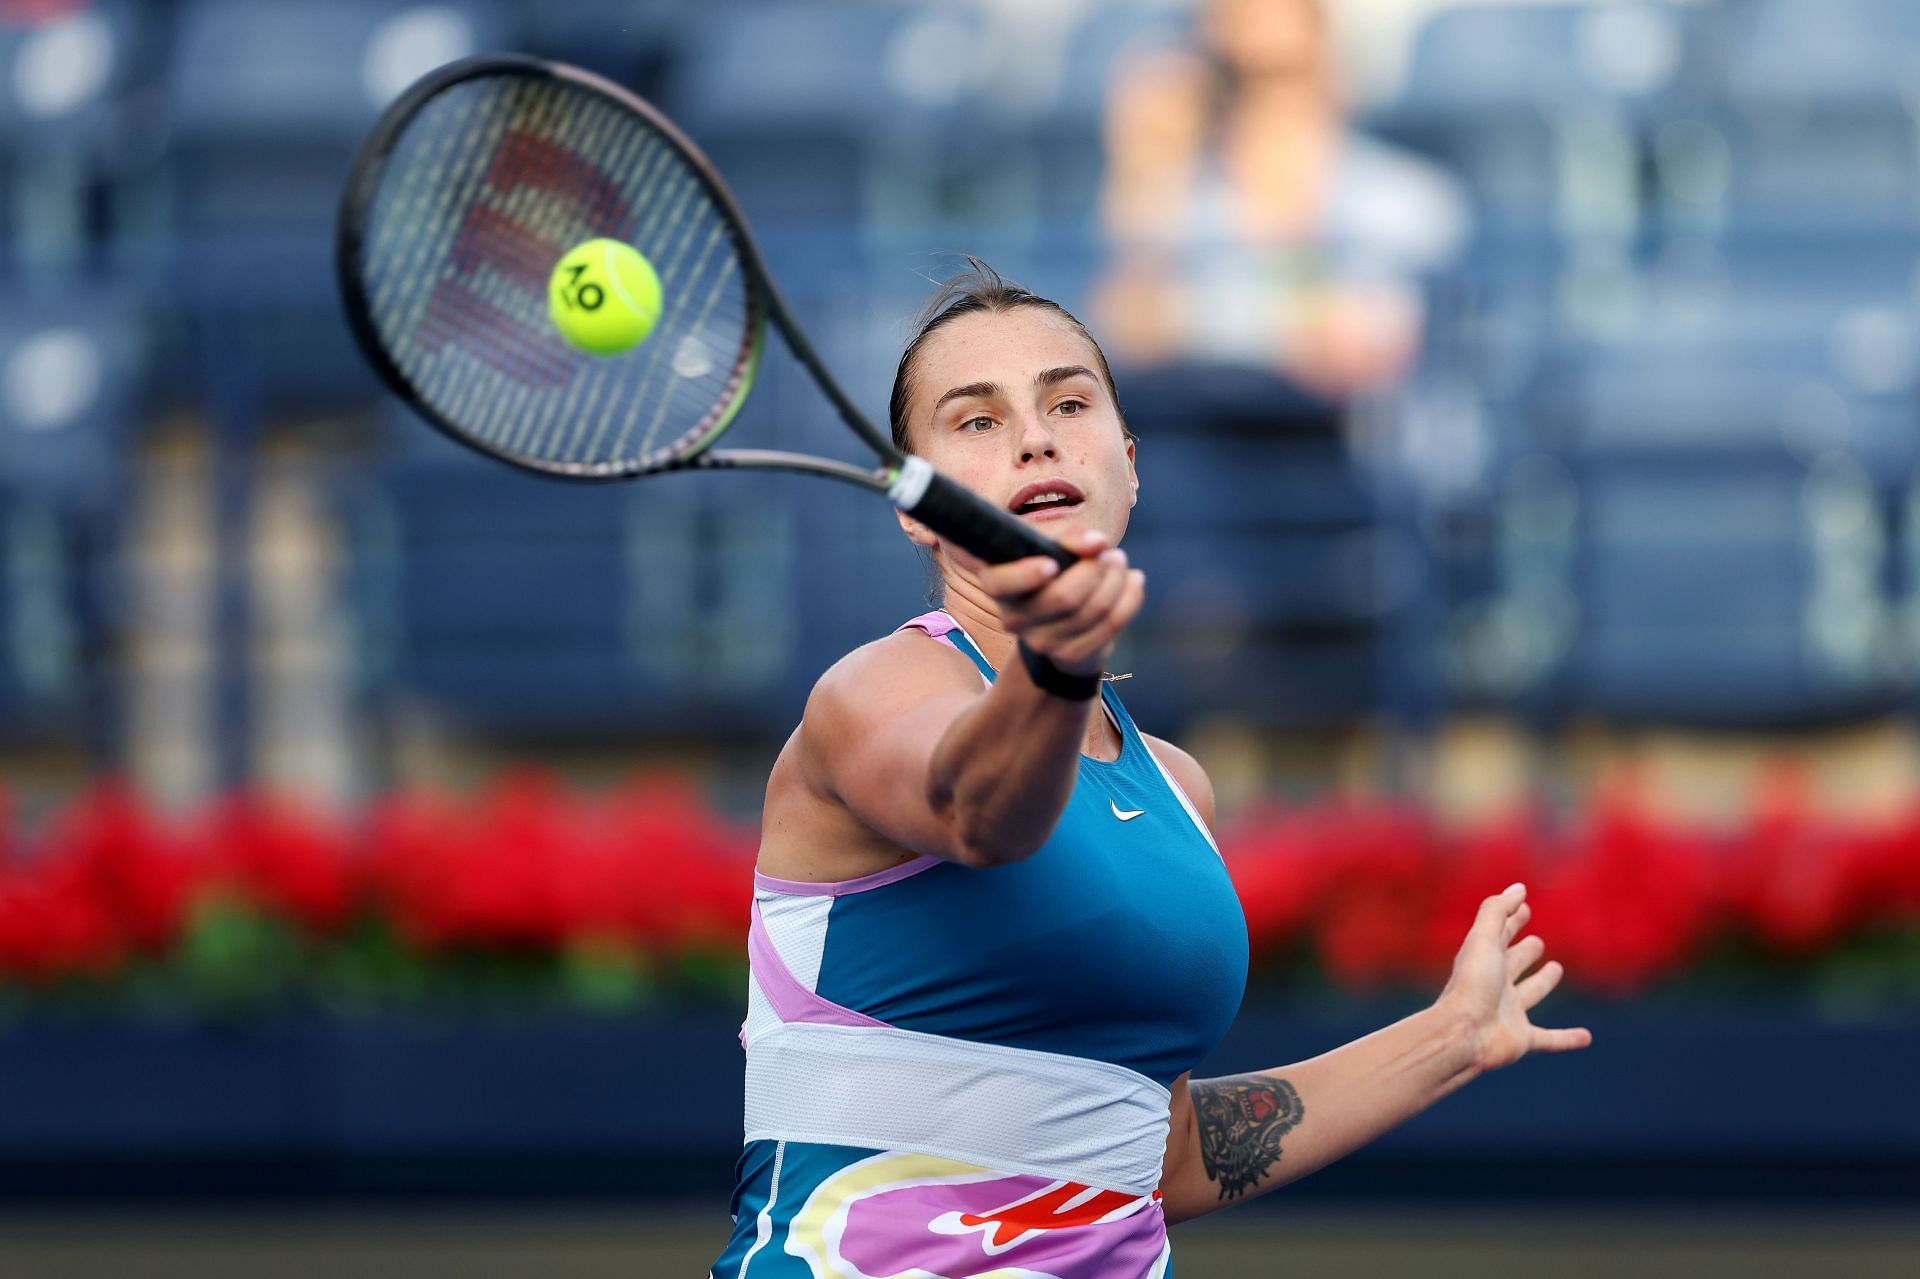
(991, 934)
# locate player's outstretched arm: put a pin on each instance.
(904, 737)
(1240, 1136)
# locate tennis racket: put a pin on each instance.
(472, 186)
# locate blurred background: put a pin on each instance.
(1531, 488)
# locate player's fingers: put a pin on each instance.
(1491, 922)
(1130, 600)
(1018, 578)
(1062, 598)
(1538, 986)
(1560, 1041)
(1087, 543)
(1517, 922)
(1523, 955)
(1054, 605)
(1119, 600)
(1054, 600)
(1109, 579)
(1099, 644)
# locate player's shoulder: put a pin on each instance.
(891, 672)
(1186, 770)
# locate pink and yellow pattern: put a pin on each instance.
(913, 1216)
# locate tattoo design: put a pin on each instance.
(1242, 1120)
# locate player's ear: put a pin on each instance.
(1133, 473)
(917, 533)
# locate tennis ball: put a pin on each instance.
(604, 297)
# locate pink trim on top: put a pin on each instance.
(791, 1001)
(938, 624)
(879, 879)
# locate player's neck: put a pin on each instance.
(981, 621)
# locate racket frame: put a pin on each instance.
(910, 482)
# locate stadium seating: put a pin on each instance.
(69, 382)
(70, 375)
(1537, 106)
(65, 87)
(268, 103)
(49, 636)
(1829, 55)
(1690, 289)
(521, 605)
(1699, 591)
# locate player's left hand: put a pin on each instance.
(1492, 989)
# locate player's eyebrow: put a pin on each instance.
(988, 390)
(1054, 376)
(972, 390)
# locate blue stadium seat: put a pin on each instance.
(779, 66)
(1270, 563)
(1193, 481)
(634, 43)
(1817, 172)
(1825, 368)
(1831, 54)
(1513, 97)
(855, 575)
(49, 640)
(70, 374)
(525, 605)
(1817, 112)
(887, 115)
(60, 75)
(1777, 273)
(1274, 577)
(70, 378)
(1038, 136)
(63, 87)
(1489, 58)
(1701, 597)
(792, 102)
(270, 99)
(1270, 680)
(301, 69)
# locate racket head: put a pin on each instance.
(468, 191)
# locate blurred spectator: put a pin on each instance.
(1249, 223)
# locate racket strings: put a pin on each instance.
(583, 410)
(485, 188)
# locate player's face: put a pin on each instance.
(1012, 405)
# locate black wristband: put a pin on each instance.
(1049, 678)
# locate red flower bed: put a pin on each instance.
(1376, 896)
(1383, 896)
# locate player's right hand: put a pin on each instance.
(1073, 616)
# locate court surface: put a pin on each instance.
(483, 1243)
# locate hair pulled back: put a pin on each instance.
(977, 289)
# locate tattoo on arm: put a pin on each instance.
(1241, 1120)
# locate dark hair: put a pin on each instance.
(979, 288)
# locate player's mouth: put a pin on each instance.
(1044, 498)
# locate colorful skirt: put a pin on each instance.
(809, 1211)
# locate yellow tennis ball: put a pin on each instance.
(604, 297)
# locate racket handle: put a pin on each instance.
(960, 516)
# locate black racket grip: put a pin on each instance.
(957, 514)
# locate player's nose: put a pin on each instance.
(1036, 438)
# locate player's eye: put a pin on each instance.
(1070, 408)
(977, 425)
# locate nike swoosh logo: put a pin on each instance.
(1126, 815)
